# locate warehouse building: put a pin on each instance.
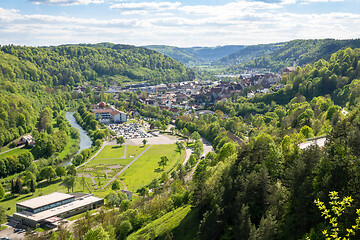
(49, 209)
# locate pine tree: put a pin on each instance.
(32, 185)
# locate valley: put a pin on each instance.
(173, 151)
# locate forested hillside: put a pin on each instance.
(249, 53)
(300, 51)
(105, 63)
(196, 55)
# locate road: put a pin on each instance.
(320, 142)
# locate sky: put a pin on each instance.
(182, 23)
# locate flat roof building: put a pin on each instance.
(48, 209)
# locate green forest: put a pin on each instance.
(300, 51)
(104, 63)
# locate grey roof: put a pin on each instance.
(45, 200)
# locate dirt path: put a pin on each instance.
(126, 167)
(123, 183)
(102, 147)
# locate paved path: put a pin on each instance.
(102, 147)
(93, 181)
(188, 152)
(127, 166)
(12, 149)
(124, 156)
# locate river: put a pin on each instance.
(85, 141)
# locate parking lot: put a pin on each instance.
(129, 130)
(10, 234)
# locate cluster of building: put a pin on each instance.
(49, 210)
(188, 96)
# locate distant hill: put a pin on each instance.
(196, 55)
(99, 63)
(301, 51)
(249, 53)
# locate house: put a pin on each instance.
(27, 140)
(128, 194)
(288, 70)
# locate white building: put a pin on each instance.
(110, 114)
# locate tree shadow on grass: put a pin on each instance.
(158, 170)
(48, 183)
(116, 146)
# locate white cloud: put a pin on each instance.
(323, 1)
(66, 2)
(152, 6)
(238, 22)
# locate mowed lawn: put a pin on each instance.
(111, 152)
(146, 168)
(15, 152)
(111, 156)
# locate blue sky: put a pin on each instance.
(181, 23)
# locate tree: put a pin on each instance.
(71, 170)
(18, 185)
(120, 140)
(144, 141)
(78, 159)
(99, 181)
(334, 213)
(179, 146)
(32, 185)
(163, 161)
(226, 151)
(124, 228)
(2, 191)
(2, 214)
(172, 129)
(85, 153)
(97, 234)
(115, 185)
(192, 160)
(29, 177)
(195, 136)
(164, 177)
(83, 182)
(60, 171)
(47, 173)
(181, 171)
(198, 148)
(143, 191)
(69, 182)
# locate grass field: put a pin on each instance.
(180, 224)
(14, 152)
(111, 156)
(111, 152)
(146, 168)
